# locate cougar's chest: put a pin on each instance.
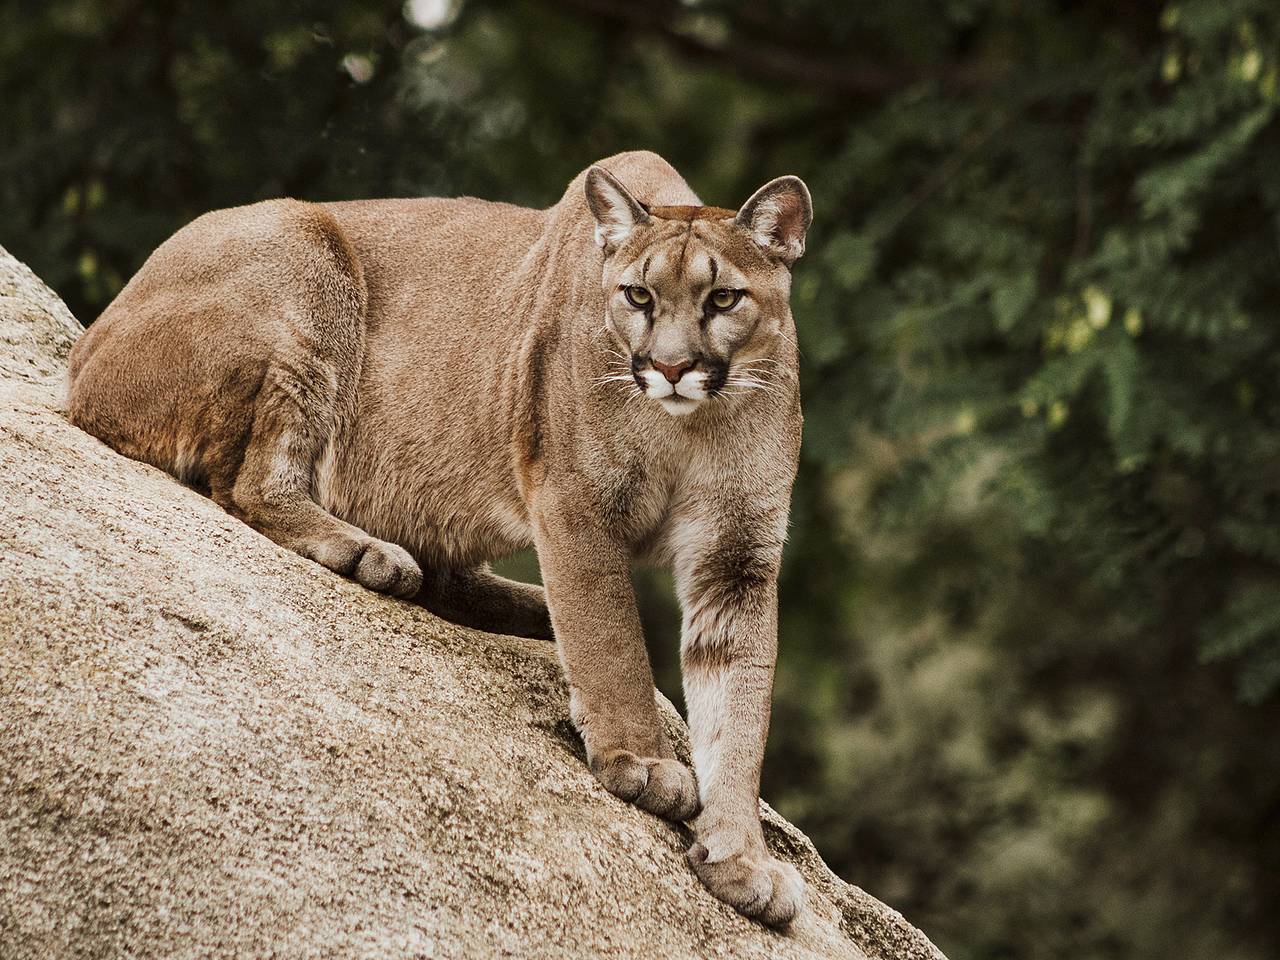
(638, 497)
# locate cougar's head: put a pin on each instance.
(698, 296)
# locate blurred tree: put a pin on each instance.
(1031, 616)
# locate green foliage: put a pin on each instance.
(1031, 636)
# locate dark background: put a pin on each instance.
(1028, 682)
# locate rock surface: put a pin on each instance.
(211, 747)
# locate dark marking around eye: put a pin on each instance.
(644, 271)
(715, 271)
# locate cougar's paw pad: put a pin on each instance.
(663, 787)
(756, 885)
(388, 568)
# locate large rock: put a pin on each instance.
(210, 747)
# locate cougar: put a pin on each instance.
(405, 390)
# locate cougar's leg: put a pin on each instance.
(481, 599)
(599, 639)
(272, 491)
(727, 579)
(306, 396)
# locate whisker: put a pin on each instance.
(764, 377)
(793, 341)
(749, 367)
(778, 375)
(748, 384)
(781, 367)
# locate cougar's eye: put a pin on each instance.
(638, 297)
(724, 299)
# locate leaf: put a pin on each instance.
(1120, 365)
(1010, 301)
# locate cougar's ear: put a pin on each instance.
(777, 217)
(616, 211)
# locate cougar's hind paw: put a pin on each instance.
(388, 568)
(376, 564)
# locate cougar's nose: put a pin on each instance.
(673, 371)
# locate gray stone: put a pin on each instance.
(211, 747)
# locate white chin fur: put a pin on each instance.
(678, 406)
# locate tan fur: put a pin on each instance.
(392, 387)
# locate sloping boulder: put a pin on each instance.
(210, 747)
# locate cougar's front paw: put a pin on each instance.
(661, 786)
(375, 564)
(753, 883)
